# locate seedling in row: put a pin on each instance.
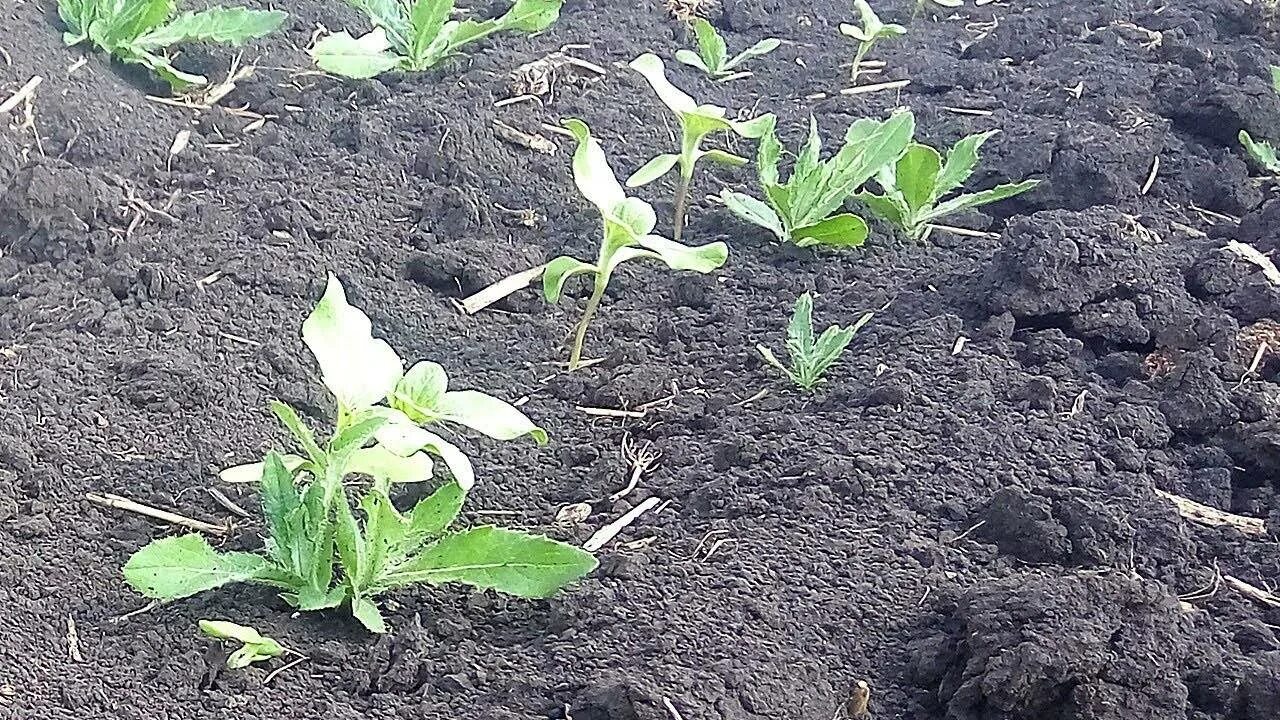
(696, 123)
(712, 56)
(416, 35)
(912, 188)
(1263, 152)
(141, 31)
(254, 647)
(810, 358)
(628, 235)
(800, 210)
(871, 31)
(318, 554)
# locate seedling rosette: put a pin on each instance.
(871, 31)
(140, 31)
(712, 56)
(810, 357)
(628, 225)
(1263, 152)
(416, 35)
(318, 553)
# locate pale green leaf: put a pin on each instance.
(435, 513)
(558, 271)
(653, 70)
(884, 207)
(711, 47)
(978, 199)
(1275, 78)
(120, 22)
(725, 158)
(252, 472)
(688, 57)
(361, 58)
(1262, 152)
(488, 415)
(800, 329)
(426, 20)
(701, 258)
(494, 558)
(652, 170)
(531, 16)
(755, 212)
(405, 439)
(844, 230)
(420, 390)
(591, 171)
(391, 17)
(366, 611)
(359, 370)
(760, 49)
(234, 26)
(961, 160)
(178, 567)
(289, 419)
(381, 464)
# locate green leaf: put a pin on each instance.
(884, 207)
(1262, 152)
(652, 170)
(701, 258)
(359, 370)
(281, 504)
(234, 26)
(289, 419)
(755, 212)
(405, 439)
(845, 230)
(435, 513)
(1275, 78)
(768, 154)
(652, 68)
(178, 567)
(353, 437)
(973, 200)
(360, 58)
(512, 562)
(531, 16)
(77, 15)
(488, 415)
(391, 17)
(349, 542)
(800, 329)
(688, 57)
(722, 157)
(591, 172)
(869, 146)
(255, 647)
(760, 49)
(121, 22)
(961, 161)
(366, 611)
(711, 47)
(558, 271)
(917, 174)
(420, 390)
(426, 19)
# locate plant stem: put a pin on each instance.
(682, 201)
(593, 304)
(863, 49)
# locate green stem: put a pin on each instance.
(682, 202)
(580, 336)
(863, 49)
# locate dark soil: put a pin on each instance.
(975, 533)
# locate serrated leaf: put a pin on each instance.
(961, 161)
(426, 20)
(366, 611)
(488, 415)
(711, 47)
(1262, 152)
(838, 231)
(435, 513)
(558, 271)
(755, 212)
(800, 329)
(77, 16)
(233, 26)
(652, 170)
(293, 423)
(120, 23)
(884, 207)
(512, 562)
(360, 58)
(178, 567)
(359, 370)
(869, 146)
(978, 199)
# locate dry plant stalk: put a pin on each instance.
(1204, 514)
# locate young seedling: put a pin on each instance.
(628, 228)
(253, 646)
(696, 123)
(811, 357)
(914, 186)
(800, 210)
(318, 554)
(868, 34)
(713, 58)
(416, 35)
(140, 31)
(1263, 152)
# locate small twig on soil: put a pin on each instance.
(969, 111)
(1077, 405)
(515, 136)
(966, 533)
(1207, 591)
(73, 641)
(641, 459)
(228, 503)
(239, 339)
(965, 232)
(1257, 257)
(282, 668)
(675, 714)
(875, 87)
(1206, 515)
(610, 531)
(610, 412)
(21, 95)
(501, 289)
(1252, 591)
(123, 503)
(1211, 215)
(1151, 176)
(758, 396)
(859, 701)
(134, 613)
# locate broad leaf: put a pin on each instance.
(252, 472)
(128, 19)
(486, 414)
(917, 174)
(702, 258)
(652, 170)
(653, 70)
(688, 57)
(178, 567)
(420, 390)
(961, 161)
(360, 58)
(367, 612)
(234, 26)
(711, 47)
(845, 230)
(77, 15)
(591, 172)
(755, 212)
(389, 16)
(1262, 152)
(725, 158)
(558, 271)
(884, 207)
(435, 513)
(426, 19)
(359, 370)
(493, 558)
(381, 464)
(405, 439)
(531, 16)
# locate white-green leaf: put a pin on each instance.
(688, 57)
(405, 439)
(558, 271)
(1261, 151)
(652, 170)
(846, 230)
(702, 258)
(233, 26)
(255, 647)
(591, 171)
(723, 157)
(418, 392)
(361, 58)
(515, 563)
(653, 70)
(381, 464)
(760, 49)
(488, 415)
(252, 472)
(178, 567)
(359, 370)
(755, 212)
(973, 200)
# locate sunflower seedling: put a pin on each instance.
(417, 35)
(318, 554)
(627, 235)
(913, 187)
(712, 56)
(868, 34)
(1263, 152)
(140, 31)
(696, 123)
(253, 646)
(811, 357)
(800, 210)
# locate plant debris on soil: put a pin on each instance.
(982, 513)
